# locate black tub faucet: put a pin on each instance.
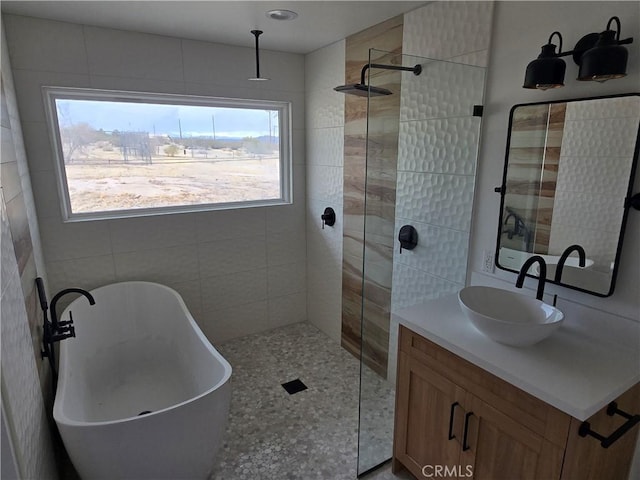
(582, 260)
(542, 277)
(55, 325)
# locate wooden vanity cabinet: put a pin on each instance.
(452, 414)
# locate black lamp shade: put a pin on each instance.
(546, 71)
(606, 60)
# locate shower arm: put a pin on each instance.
(417, 69)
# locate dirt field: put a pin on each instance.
(101, 181)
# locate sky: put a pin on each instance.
(163, 119)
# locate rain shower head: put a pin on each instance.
(362, 89)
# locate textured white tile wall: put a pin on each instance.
(437, 149)
(194, 253)
(444, 30)
(324, 69)
(599, 137)
(594, 170)
(442, 90)
(441, 251)
(437, 199)
(438, 141)
(21, 391)
(441, 145)
(20, 383)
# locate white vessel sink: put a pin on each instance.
(508, 317)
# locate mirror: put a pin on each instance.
(568, 173)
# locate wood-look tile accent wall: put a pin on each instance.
(13, 197)
(534, 155)
(369, 327)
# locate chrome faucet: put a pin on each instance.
(62, 330)
(542, 277)
(563, 258)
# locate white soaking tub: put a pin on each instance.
(141, 394)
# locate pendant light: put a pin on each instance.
(547, 71)
(607, 59)
(257, 33)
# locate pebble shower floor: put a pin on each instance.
(311, 434)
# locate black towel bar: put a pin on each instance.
(606, 442)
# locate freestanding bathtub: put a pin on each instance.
(141, 393)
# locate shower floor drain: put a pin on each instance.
(294, 386)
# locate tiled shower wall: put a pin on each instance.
(437, 149)
(370, 156)
(324, 69)
(438, 144)
(25, 396)
(457, 31)
(240, 271)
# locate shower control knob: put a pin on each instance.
(328, 217)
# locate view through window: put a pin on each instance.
(126, 154)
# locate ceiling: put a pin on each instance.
(319, 23)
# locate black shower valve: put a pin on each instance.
(328, 217)
(408, 237)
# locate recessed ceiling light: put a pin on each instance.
(281, 14)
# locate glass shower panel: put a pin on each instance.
(421, 151)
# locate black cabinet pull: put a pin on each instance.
(465, 446)
(453, 409)
(606, 442)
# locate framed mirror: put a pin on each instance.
(568, 174)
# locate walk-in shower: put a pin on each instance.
(419, 156)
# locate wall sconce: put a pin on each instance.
(600, 57)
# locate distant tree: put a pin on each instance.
(115, 139)
(75, 137)
(255, 146)
(171, 150)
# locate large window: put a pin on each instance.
(125, 154)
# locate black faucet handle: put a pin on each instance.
(64, 332)
(67, 322)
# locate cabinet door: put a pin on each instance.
(498, 447)
(428, 418)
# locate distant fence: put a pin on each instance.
(135, 146)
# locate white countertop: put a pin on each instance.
(578, 369)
